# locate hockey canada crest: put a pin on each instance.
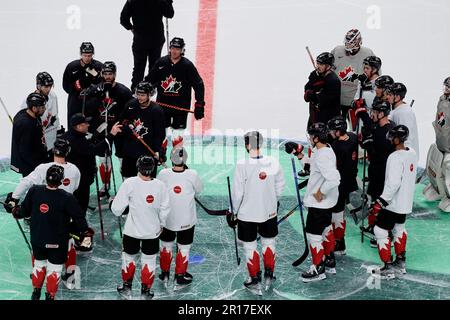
(139, 128)
(43, 208)
(171, 85)
(346, 74)
(66, 182)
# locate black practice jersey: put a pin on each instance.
(346, 152)
(50, 212)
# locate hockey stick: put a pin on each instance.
(139, 138)
(6, 110)
(212, 212)
(300, 205)
(311, 57)
(167, 34)
(238, 259)
(22, 232)
(99, 205)
(412, 103)
(174, 107)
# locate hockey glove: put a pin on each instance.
(199, 110)
(60, 131)
(367, 140)
(86, 240)
(231, 221)
(362, 77)
(311, 96)
(10, 203)
(77, 85)
(293, 148)
(376, 207)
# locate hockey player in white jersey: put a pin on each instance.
(50, 118)
(257, 186)
(69, 183)
(395, 203)
(349, 65)
(148, 202)
(320, 197)
(183, 185)
(438, 158)
(402, 113)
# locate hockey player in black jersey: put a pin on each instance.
(50, 210)
(105, 102)
(28, 148)
(375, 141)
(381, 84)
(78, 76)
(345, 147)
(175, 76)
(143, 125)
(323, 91)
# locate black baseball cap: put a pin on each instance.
(78, 118)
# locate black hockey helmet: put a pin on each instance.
(35, 99)
(177, 43)
(338, 123)
(145, 87)
(145, 165)
(87, 47)
(401, 132)
(44, 79)
(178, 156)
(353, 40)
(397, 89)
(61, 147)
(319, 130)
(254, 139)
(54, 176)
(373, 62)
(109, 66)
(383, 106)
(325, 58)
(383, 81)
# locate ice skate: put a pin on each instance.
(125, 290)
(330, 264)
(253, 285)
(314, 273)
(269, 278)
(146, 293)
(182, 281)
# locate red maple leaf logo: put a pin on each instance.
(171, 85)
(346, 73)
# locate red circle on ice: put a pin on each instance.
(43, 208)
(177, 189)
(149, 199)
(66, 182)
(354, 155)
(262, 175)
(411, 167)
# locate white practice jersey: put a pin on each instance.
(257, 185)
(70, 182)
(404, 114)
(323, 175)
(400, 181)
(367, 95)
(51, 110)
(346, 66)
(149, 207)
(441, 124)
(182, 188)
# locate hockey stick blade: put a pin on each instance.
(211, 212)
(300, 260)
